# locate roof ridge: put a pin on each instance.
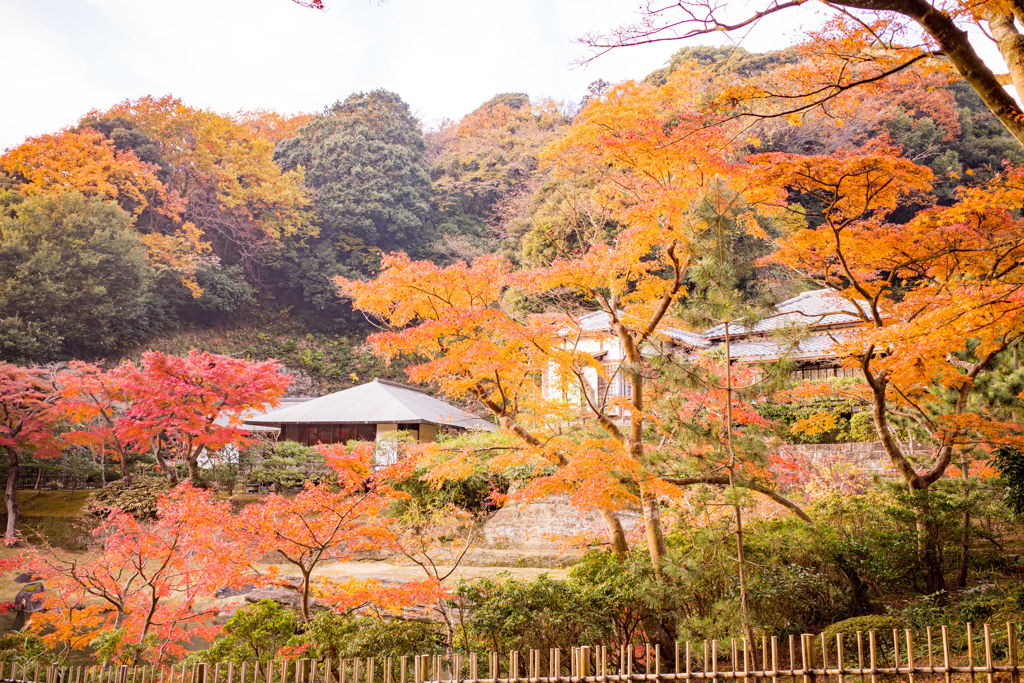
(399, 385)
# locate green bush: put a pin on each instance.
(22, 648)
(512, 614)
(862, 427)
(138, 497)
(254, 632)
(882, 625)
(333, 636)
(285, 465)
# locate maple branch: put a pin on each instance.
(723, 480)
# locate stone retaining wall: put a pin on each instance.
(869, 456)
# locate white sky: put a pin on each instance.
(444, 57)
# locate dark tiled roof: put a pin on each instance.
(816, 345)
(818, 308)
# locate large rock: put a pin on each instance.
(30, 598)
(285, 597)
(545, 524)
(229, 592)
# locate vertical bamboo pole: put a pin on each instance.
(860, 654)
(1011, 644)
(792, 656)
(896, 653)
(370, 668)
(714, 660)
(775, 659)
(807, 656)
(988, 655)
(824, 657)
(840, 664)
(931, 653)
(689, 669)
(706, 660)
(403, 668)
(657, 660)
(733, 648)
(945, 655)
(676, 669)
(216, 674)
(910, 656)
(970, 649)
(231, 673)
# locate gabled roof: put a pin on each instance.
(814, 309)
(816, 345)
(376, 402)
(600, 321)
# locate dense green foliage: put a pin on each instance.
(74, 280)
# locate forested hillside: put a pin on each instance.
(158, 224)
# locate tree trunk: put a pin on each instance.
(169, 471)
(744, 593)
(965, 539)
(195, 476)
(652, 530)
(39, 478)
(616, 534)
(931, 558)
(305, 596)
(13, 468)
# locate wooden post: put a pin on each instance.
(689, 669)
(988, 655)
(970, 649)
(839, 657)
(585, 660)
(931, 653)
(1011, 644)
(910, 656)
(775, 659)
(945, 655)
(807, 656)
(896, 652)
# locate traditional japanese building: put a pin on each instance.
(364, 412)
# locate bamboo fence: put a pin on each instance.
(917, 657)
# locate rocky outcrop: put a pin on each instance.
(285, 597)
(545, 524)
(30, 598)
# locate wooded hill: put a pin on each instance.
(157, 224)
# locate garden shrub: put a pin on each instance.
(137, 496)
(330, 635)
(881, 624)
(18, 647)
(254, 633)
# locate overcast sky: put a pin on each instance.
(444, 57)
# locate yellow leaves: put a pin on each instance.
(183, 253)
(819, 423)
(89, 163)
(208, 153)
